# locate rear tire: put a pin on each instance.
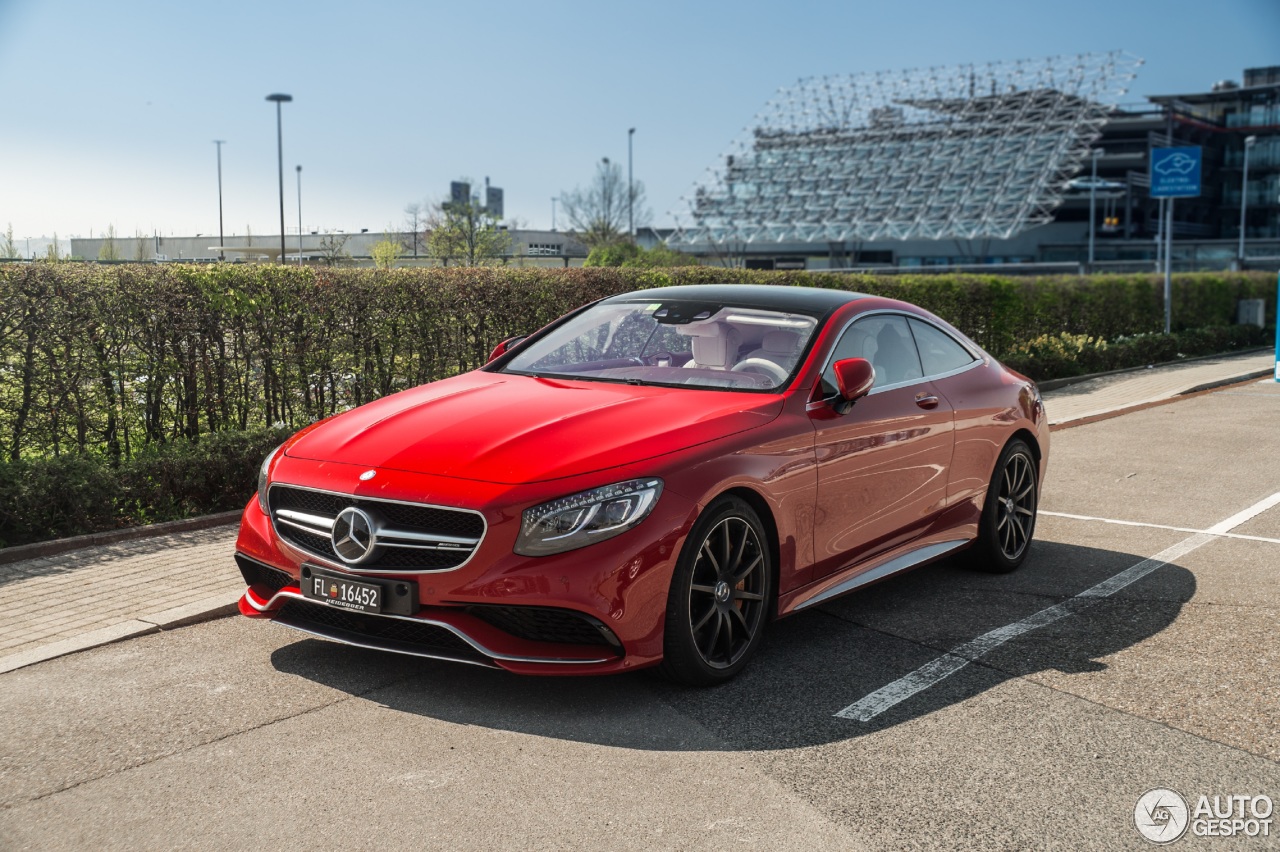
(720, 596)
(1009, 513)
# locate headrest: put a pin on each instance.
(780, 342)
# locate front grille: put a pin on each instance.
(394, 634)
(545, 624)
(409, 519)
(255, 573)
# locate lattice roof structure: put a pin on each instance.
(969, 152)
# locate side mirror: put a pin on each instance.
(854, 378)
(504, 347)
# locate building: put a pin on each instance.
(528, 248)
(998, 164)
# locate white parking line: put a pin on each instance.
(890, 695)
(1158, 526)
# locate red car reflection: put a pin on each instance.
(649, 480)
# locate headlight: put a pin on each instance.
(262, 480)
(582, 519)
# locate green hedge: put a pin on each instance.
(114, 360)
(136, 393)
(80, 493)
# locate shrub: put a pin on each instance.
(80, 493)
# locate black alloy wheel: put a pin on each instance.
(720, 596)
(1009, 514)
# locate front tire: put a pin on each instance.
(720, 596)
(1009, 513)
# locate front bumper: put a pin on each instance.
(596, 610)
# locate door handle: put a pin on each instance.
(926, 400)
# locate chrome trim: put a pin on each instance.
(310, 523)
(385, 533)
(980, 357)
(298, 596)
(328, 562)
(893, 566)
(333, 637)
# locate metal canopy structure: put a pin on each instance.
(970, 152)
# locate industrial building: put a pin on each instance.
(1006, 163)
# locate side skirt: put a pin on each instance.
(830, 588)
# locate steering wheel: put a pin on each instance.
(763, 367)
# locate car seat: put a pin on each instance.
(780, 347)
(714, 344)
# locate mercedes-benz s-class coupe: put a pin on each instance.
(649, 480)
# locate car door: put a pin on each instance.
(882, 467)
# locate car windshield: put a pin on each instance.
(672, 343)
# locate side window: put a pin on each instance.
(885, 341)
(939, 352)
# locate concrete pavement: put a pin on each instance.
(61, 604)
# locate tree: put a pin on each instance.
(8, 248)
(630, 254)
(109, 250)
(388, 251)
(465, 232)
(51, 252)
(414, 219)
(333, 249)
(600, 212)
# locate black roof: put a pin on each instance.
(768, 296)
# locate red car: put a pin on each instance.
(649, 480)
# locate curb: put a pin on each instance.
(1234, 381)
(1055, 384)
(62, 545)
(158, 622)
(1221, 383)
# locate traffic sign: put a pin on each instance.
(1175, 172)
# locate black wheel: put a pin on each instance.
(720, 596)
(1009, 513)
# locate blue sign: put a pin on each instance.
(1175, 172)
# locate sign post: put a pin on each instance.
(1278, 328)
(1175, 173)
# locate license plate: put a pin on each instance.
(343, 593)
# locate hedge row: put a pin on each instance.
(117, 360)
(79, 493)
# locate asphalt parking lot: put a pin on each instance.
(943, 709)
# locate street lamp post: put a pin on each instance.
(1093, 194)
(221, 242)
(279, 99)
(631, 190)
(299, 215)
(1244, 195)
(553, 213)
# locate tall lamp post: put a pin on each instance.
(279, 99)
(1093, 195)
(220, 143)
(631, 190)
(553, 212)
(299, 215)
(1244, 195)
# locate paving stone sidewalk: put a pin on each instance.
(1120, 391)
(58, 605)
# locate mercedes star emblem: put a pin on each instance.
(354, 538)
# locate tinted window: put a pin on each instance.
(939, 352)
(885, 341)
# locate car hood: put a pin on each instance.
(511, 429)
